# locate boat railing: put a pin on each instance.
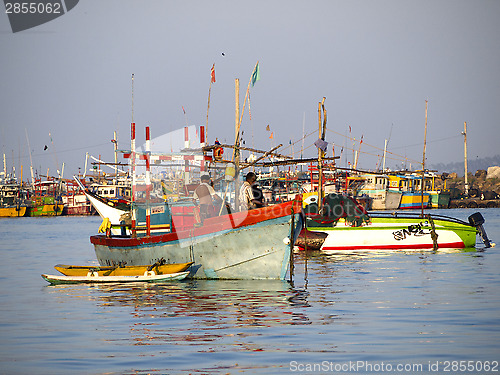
(412, 215)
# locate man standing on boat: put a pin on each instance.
(206, 194)
(247, 198)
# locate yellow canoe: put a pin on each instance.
(163, 269)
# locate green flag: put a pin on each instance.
(255, 75)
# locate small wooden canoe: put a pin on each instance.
(93, 278)
(163, 269)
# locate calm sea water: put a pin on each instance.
(413, 312)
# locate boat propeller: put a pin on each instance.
(477, 220)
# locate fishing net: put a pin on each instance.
(337, 206)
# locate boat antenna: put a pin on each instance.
(423, 161)
(132, 97)
(31, 160)
(464, 133)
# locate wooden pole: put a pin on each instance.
(236, 151)
(465, 159)
(212, 79)
(148, 183)
(322, 128)
(132, 165)
(385, 152)
(261, 157)
(236, 118)
(423, 162)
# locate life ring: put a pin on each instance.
(218, 151)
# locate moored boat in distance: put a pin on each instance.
(12, 199)
(46, 199)
(377, 187)
(75, 201)
(409, 185)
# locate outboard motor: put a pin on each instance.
(477, 220)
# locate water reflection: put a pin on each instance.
(194, 311)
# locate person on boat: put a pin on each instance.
(258, 195)
(206, 196)
(247, 197)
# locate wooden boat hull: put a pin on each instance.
(413, 201)
(12, 211)
(45, 206)
(383, 199)
(397, 233)
(70, 270)
(439, 199)
(95, 279)
(246, 245)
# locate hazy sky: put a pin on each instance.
(376, 62)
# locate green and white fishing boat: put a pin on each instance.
(346, 226)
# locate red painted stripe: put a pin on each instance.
(202, 134)
(211, 225)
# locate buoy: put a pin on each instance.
(105, 225)
(230, 172)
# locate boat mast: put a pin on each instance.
(132, 162)
(465, 159)
(31, 160)
(148, 183)
(423, 161)
(385, 152)
(236, 151)
(115, 146)
(321, 133)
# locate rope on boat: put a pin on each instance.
(292, 234)
(434, 235)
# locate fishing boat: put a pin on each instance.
(255, 244)
(377, 188)
(412, 197)
(12, 203)
(94, 278)
(75, 201)
(113, 211)
(159, 268)
(439, 199)
(345, 226)
(46, 199)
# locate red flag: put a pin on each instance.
(212, 74)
